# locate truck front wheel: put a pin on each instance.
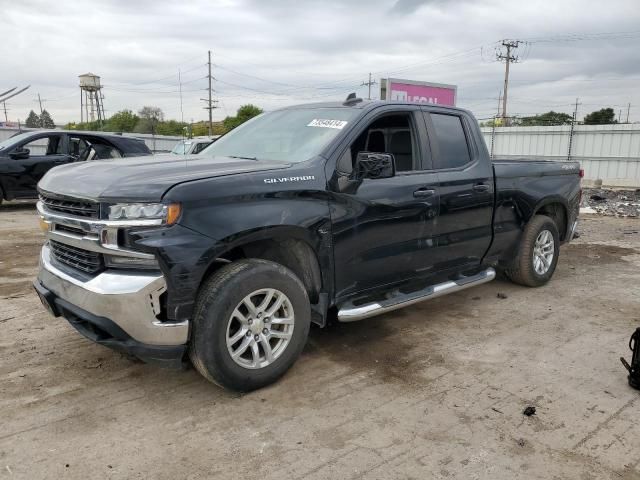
(537, 254)
(250, 324)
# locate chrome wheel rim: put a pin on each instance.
(543, 251)
(260, 328)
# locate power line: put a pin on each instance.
(577, 37)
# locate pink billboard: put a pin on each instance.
(421, 92)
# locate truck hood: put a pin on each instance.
(143, 178)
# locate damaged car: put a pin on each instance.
(27, 156)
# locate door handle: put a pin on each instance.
(424, 193)
(481, 187)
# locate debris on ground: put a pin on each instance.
(501, 295)
(529, 411)
(617, 203)
(522, 442)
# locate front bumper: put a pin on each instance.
(117, 309)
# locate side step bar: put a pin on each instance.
(350, 313)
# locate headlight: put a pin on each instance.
(116, 261)
(168, 213)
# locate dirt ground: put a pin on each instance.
(433, 391)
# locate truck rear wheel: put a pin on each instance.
(537, 254)
(251, 323)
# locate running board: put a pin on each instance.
(350, 313)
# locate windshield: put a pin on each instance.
(293, 135)
(181, 148)
(10, 142)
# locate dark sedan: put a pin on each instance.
(26, 157)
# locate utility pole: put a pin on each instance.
(493, 127)
(368, 84)
(210, 102)
(573, 124)
(628, 110)
(40, 102)
(508, 59)
(180, 84)
(6, 119)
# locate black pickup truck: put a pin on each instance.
(302, 215)
(27, 156)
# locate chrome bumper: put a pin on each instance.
(130, 300)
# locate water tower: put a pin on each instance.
(91, 98)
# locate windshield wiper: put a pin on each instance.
(243, 158)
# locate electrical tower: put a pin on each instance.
(508, 58)
(91, 97)
(211, 104)
(368, 84)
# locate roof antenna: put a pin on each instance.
(352, 99)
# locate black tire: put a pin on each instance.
(217, 300)
(522, 271)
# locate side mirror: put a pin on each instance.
(20, 154)
(374, 165)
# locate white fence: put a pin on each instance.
(610, 153)
(156, 143)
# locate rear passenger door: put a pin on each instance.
(466, 189)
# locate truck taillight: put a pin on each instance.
(582, 173)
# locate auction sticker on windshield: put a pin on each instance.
(324, 123)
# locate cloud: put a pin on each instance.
(286, 51)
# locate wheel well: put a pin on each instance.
(558, 213)
(296, 255)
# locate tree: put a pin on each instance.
(33, 120)
(603, 116)
(243, 114)
(149, 119)
(46, 121)
(122, 121)
(201, 129)
(549, 118)
(171, 127)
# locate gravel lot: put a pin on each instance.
(434, 391)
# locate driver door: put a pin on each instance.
(384, 228)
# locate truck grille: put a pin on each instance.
(72, 206)
(78, 258)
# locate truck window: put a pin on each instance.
(453, 149)
(289, 135)
(390, 134)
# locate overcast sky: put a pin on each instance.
(279, 52)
